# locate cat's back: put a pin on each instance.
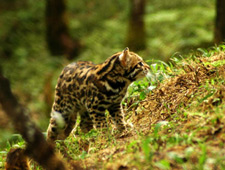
(74, 70)
(74, 74)
(78, 66)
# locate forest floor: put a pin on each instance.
(179, 125)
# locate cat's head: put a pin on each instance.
(134, 65)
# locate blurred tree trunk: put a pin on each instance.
(136, 38)
(37, 146)
(220, 22)
(57, 33)
(48, 93)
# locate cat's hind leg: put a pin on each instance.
(63, 119)
(86, 123)
(60, 126)
(98, 118)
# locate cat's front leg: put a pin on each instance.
(86, 123)
(98, 118)
(117, 116)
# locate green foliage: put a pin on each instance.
(164, 41)
(159, 71)
(171, 26)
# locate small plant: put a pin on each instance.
(203, 156)
(163, 164)
(147, 149)
(205, 52)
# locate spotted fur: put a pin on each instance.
(90, 90)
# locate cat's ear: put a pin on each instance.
(124, 57)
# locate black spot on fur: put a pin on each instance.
(104, 102)
(54, 129)
(100, 96)
(68, 79)
(94, 107)
(58, 101)
(101, 109)
(82, 93)
(70, 88)
(61, 75)
(110, 93)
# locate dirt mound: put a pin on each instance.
(177, 93)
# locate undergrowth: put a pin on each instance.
(176, 118)
(177, 114)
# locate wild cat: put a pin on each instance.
(89, 90)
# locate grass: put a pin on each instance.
(177, 115)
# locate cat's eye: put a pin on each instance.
(141, 64)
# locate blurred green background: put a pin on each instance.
(172, 27)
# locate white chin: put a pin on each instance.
(148, 74)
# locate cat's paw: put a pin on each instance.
(129, 126)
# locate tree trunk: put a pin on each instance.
(136, 38)
(37, 146)
(57, 33)
(220, 22)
